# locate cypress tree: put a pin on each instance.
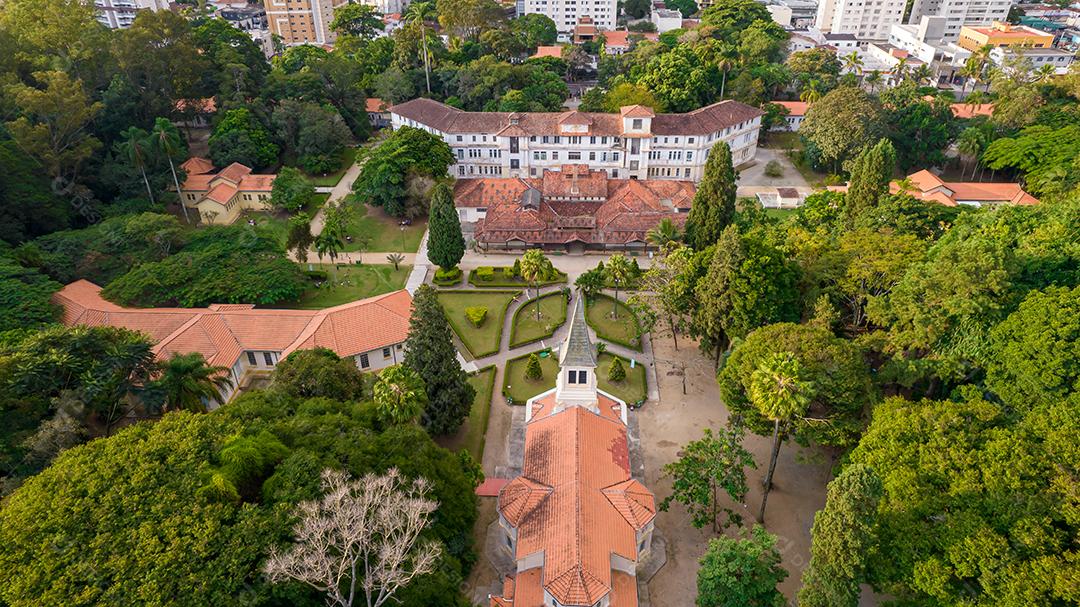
(714, 203)
(533, 370)
(871, 173)
(429, 350)
(617, 372)
(446, 245)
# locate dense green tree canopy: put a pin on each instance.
(407, 153)
(446, 245)
(24, 297)
(319, 373)
(841, 124)
(430, 351)
(714, 201)
(741, 572)
(240, 137)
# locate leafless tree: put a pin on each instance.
(361, 537)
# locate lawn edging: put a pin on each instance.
(514, 323)
(458, 327)
(485, 411)
(499, 279)
(639, 347)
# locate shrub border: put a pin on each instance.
(513, 324)
(504, 282)
(640, 347)
(491, 397)
(443, 283)
(502, 325)
(506, 366)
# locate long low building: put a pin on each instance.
(926, 186)
(571, 209)
(249, 341)
(636, 143)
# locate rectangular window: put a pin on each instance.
(515, 163)
(269, 359)
(386, 352)
(251, 358)
(364, 362)
(572, 377)
(573, 155)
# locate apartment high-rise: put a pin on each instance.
(565, 13)
(958, 13)
(865, 19)
(119, 14)
(302, 21)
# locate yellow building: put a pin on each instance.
(220, 197)
(1003, 34)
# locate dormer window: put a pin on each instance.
(577, 377)
(636, 124)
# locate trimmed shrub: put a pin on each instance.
(616, 373)
(447, 277)
(533, 370)
(774, 169)
(476, 315)
(485, 273)
(515, 270)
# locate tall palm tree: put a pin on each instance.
(781, 394)
(133, 144)
(619, 269)
(167, 141)
(418, 13)
(188, 383)
(1045, 74)
(812, 93)
(900, 71)
(922, 74)
(873, 79)
(725, 60)
(853, 63)
(329, 243)
(666, 231)
(534, 266)
(970, 143)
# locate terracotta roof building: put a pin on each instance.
(796, 114)
(251, 341)
(378, 112)
(221, 197)
(571, 208)
(636, 143)
(618, 42)
(929, 187)
(576, 522)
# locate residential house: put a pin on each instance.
(584, 30)
(1034, 57)
(796, 114)
(666, 19)
(220, 197)
(572, 209)
(636, 143)
(378, 112)
(195, 113)
(247, 341)
(927, 186)
(553, 50)
(618, 42)
(576, 521)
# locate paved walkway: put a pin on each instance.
(339, 191)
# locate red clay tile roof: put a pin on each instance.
(199, 183)
(375, 105)
(576, 502)
(626, 210)
(234, 172)
(204, 106)
(709, 119)
(547, 51)
(222, 331)
(931, 188)
(197, 166)
(222, 193)
(794, 108)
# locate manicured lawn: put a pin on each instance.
(499, 278)
(353, 283)
(276, 223)
(381, 232)
(783, 140)
(483, 340)
(471, 434)
(517, 389)
(348, 156)
(622, 329)
(781, 214)
(552, 315)
(631, 390)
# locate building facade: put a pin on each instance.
(958, 13)
(1000, 34)
(926, 186)
(1059, 59)
(576, 522)
(302, 21)
(634, 144)
(566, 13)
(247, 341)
(928, 42)
(865, 19)
(120, 14)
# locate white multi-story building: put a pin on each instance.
(565, 13)
(1059, 59)
(958, 13)
(634, 144)
(865, 19)
(926, 42)
(119, 14)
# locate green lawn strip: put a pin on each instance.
(622, 330)
(276, 223)
(782, 140)
(781, 214)
(381, 232)
(360, 282)
(483, 340)
(527, 329)
(500, 279)
(517, 389)
(348, 156)
(471, 434)
(632, 390)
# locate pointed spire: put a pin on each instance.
(577, 350)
